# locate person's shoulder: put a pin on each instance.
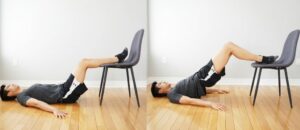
(180, 83)
(171, 92)
(21, 95)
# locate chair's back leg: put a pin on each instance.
(288, 87)
(135, 89)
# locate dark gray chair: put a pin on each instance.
(286, 59)
(132, 60)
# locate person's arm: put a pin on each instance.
(32, 102)
(199, 102)
(214, 90)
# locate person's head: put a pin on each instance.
(160, 89)
(9, 92)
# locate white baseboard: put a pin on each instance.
(141, 83)
(90, 84)
(232, 81)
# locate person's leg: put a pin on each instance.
(84, 64)
(229, 49)
(75, 94)
(76, 80)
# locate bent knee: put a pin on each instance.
(83, 62)
(229, 44)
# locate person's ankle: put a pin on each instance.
(121, 56)
(268, 59)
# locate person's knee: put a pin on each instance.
(83, 62)
(229, 46)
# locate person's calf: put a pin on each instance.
(203, 72)
(76, 93)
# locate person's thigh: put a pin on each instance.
(221, 59)
(67, 84)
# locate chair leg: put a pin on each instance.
(257, 84)
(279, 82)
(288, 87)
(128, 82)
(101, 82)
(253, 80)
(135, 89)
(103, 87)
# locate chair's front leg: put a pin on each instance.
(103, 87)
(128, 83)
(257, 84)
(101, 82)
(253, 80)
(279, 82)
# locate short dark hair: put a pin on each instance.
(155, 90)
(3, 94)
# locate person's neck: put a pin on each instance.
(19, 91)
(168, 90)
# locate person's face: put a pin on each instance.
(12, 89)
(163, 87)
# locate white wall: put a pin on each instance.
(44, 40)
(0, 34)
(185, 34)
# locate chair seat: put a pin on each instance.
(274, 65)
(124, 64)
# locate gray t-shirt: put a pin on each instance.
(48, 93)
(190, 87)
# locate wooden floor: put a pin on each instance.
(121, 112)
(118, 111)
(269, 113)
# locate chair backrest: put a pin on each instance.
(289, 49)
(135, 50)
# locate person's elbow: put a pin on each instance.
(32, 102)
(185, 100)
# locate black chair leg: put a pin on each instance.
(288, 87)
(128, 82)
(101, 82)
(257, 84)
(279, 82)
(253, 80)
(103, 87)
(135, 89)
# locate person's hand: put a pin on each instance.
(221, 91)
(217, 106)
(59, 114)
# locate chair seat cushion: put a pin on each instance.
(273, 65)
(124, 64)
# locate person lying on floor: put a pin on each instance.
(41, 95)
(189, 90)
